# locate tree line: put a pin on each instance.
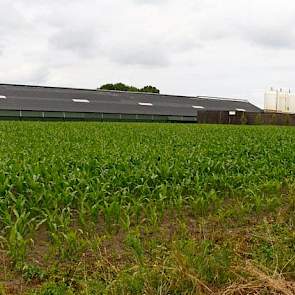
(124, 87)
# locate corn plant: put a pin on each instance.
(84, 179)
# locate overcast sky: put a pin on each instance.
(234, 48)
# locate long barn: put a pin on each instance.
(41, 102)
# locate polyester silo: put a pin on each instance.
(271, 100)
(283, 101)
(292, 103)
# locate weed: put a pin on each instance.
(54, 289)
(2, 290)
(33, 273)
(133, 242)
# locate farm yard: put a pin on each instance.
(146, 208)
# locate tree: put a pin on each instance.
(117, 86)
(150, 89)
(107, 87)
(123, 87)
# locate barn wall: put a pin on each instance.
(205, 117)
(247, 118)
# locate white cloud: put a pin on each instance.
(213, 47)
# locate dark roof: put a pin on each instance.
(41, 98)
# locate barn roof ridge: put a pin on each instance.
(131, 92)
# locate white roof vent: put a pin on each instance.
(81, 100)
(147, 104)
(3, 97)
(198, 107)
(241, 110)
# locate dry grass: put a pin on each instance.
(260, 282)
(106, 257)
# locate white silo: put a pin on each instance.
(292, 103)
(271, 100)
(282, 104)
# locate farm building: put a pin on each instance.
(40, 102)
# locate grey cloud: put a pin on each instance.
(38, 76)
(144, 56)
(12, 22)
(150, 2)
(1, 47)
(266, 24)
(25, 74)
(11, 18)
(153, 51)
(267, 36)
(271, 36)
(82, 42)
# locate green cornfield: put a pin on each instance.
(146, 208)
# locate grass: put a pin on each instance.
(128, 208)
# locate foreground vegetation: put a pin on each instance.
(119, 208)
